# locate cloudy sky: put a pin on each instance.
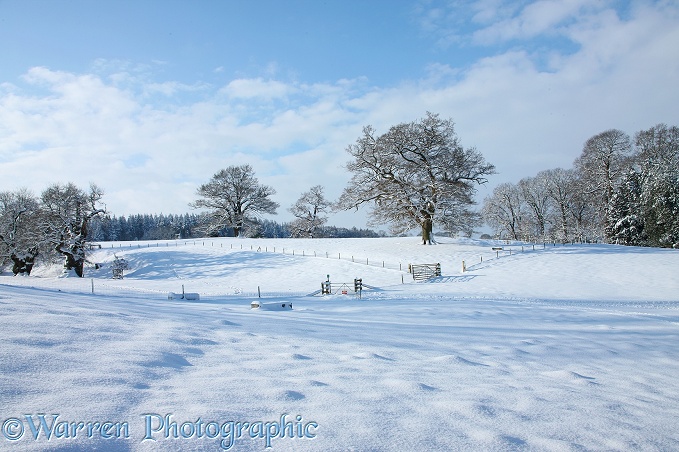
(149, 98)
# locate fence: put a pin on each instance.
(264, 249)
(160, 289)
(111, 288)
(425, 271)
(509, 248)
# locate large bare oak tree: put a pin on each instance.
(416, 174)
(67, 212)
(234, 197)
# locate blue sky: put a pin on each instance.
(148, 99)
(313, 41)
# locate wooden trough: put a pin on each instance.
(271, 306)
(183, 296)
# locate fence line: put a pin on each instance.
(305, 253)
(509, 248)
(101, 286)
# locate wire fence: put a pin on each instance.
(161, 289)
(260, 248)
(113, 288)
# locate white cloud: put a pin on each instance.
(537, 18)
(257, 88)
(171, 88)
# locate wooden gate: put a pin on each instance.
(425, 271)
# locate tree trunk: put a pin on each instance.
(426, 231)
(71, 262)
(22, 264)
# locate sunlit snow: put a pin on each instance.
(567, 347)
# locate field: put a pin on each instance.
(571, 347)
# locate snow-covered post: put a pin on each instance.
(464, 267)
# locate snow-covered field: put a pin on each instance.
(570, 347)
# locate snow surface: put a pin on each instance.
(570, 347)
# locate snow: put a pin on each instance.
(558, 348)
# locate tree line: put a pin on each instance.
(415, 175)
(620, 190)
(107, 228)
(64, 220)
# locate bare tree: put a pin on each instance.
(19, 235)
(601, 166)
(308, 212)
(538, 205)
(561, 189)
(587, 218)
(658, 147)
(234, 198)
(415, 174)
(604, 160)
(67, 213)
(504, 209)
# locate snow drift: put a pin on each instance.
(554, 348)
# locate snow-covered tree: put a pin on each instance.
(416, 174)
(560, 184)
(601, 165)
(658, 160)
(538, 205)
(644, 209)
(625, 219)
(234, 197)
(659, 205)
(504, 210)
(67, 213)
(587, 216)
(309, 212)
(658, 147)
(20, 238)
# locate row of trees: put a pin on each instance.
(235, 200)
(416, 174)
(61, 222)
(108, 228)
(56, 224)
(619, 190)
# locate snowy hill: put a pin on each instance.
(555, 348)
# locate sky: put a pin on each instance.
(148, 99)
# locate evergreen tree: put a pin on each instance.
(625, 220)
